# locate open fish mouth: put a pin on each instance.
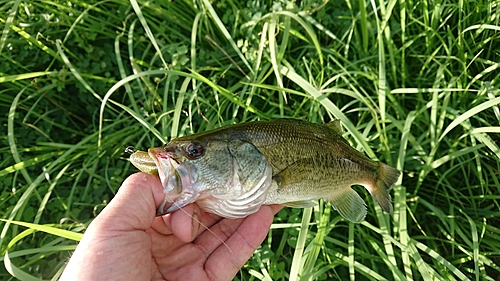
(175, 179)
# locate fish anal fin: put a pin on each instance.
(349, 205)
(301, 204)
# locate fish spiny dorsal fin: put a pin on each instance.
(336, 126)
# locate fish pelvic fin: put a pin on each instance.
(300, 204)
(349, 205)
(387, 177)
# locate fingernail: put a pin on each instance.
(195, 225)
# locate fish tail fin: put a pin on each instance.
(386, 178)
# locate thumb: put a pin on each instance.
(134, 205)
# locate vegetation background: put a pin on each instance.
(415, 84)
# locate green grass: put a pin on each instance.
(415, 84)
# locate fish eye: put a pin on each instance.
(194, 150)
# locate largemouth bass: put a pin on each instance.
(232, 171)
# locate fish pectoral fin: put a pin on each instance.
(301, 171)
(300, 204)
(349, 204)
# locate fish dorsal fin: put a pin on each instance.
(336, 126)
(349, 204)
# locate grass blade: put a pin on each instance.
(298, 258)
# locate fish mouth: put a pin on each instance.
(175, 179)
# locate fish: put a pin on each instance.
(233, 170)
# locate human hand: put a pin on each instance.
(127, 242)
